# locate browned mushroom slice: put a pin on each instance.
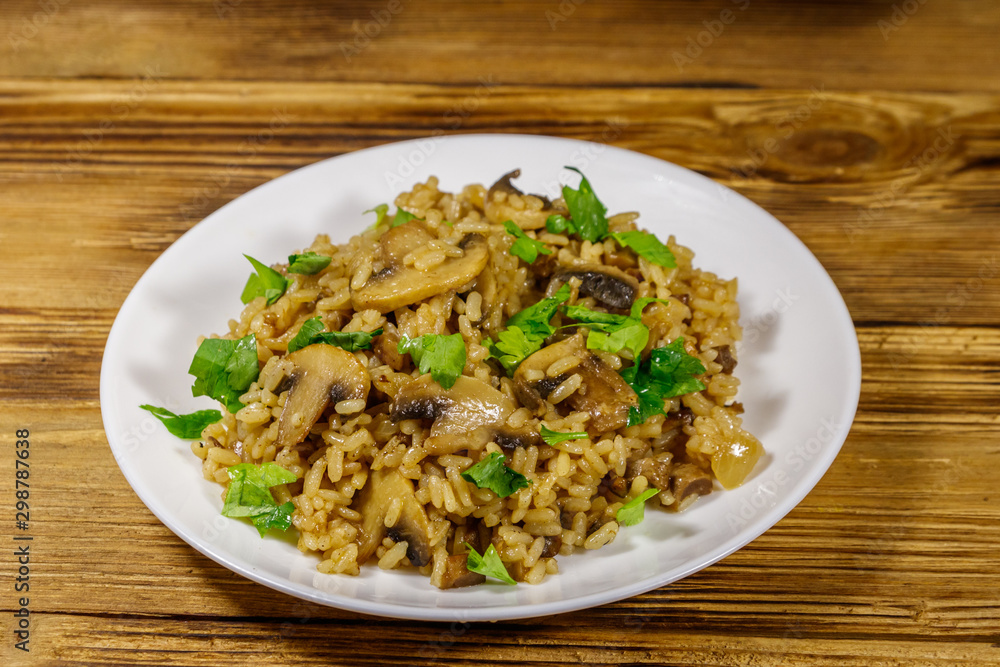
(656, 470)
(612, 287)
(323, 374)
(498, 209)
(383, 488)
(467, 416)
(607, 397)
(687, 479)
(457, 575)
(398, 285)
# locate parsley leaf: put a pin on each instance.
(588, 213)
(527, 330)
(634, 511)
(491, 473)
(265, 282)
(613, 333)
(558, 224)
(669, 372)
(379, 211)
(188, 427)
(249, 496)
(646, 245)
(402, 217)
(313, 331)
(525, 247)
(308, 263)
(555, 437)
(488, 564)
(224, 369)
(441, 356)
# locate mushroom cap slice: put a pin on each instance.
(467, 416)
(498, 211)
(384, 487)
(608, 284)
(323, 373)
(607, 398)
(398, 285)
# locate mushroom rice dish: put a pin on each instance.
(477, 384)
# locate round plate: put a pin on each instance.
(799, 365)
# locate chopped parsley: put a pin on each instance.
(308, 263)
(669, 372)
(551, 437)
(225, 369)
(587, 212)
(489, 564)
(249, 495)
(558, 224)
(380, 211)
(646, 245)
(492, 473)
(313, 331)
(527, 330)
(188, 427)
(524, 246)
(613, 333)
(634, 511)
(441, 356)
(402, 217)
(265, 282)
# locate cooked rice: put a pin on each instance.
(571, 502)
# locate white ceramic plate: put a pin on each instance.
(799, 364)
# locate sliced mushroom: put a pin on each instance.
(656, 470)
(323, 374)
(725, 358)
(467, 416)
(384, 487)
(609, 285)
(687, 479)
(457, 575)
(498, 209)
(607, 398)
(398, 285)
(386, 348)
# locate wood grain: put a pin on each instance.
(870, 128)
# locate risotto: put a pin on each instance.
(480, 382)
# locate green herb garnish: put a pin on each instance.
(308, 263)
(492, 473)
(669, 372)
(587, 212)
(265, 282)
(524, 246)
(380, 211)
(613, 333)
(188, 427)
(634, 511)
(489, 564)
(441, 356)
(558, 224)
(225, 369)
(646, 245)
(527, 330)
(249, 495)
(313, 331)
(551, 437)
(402, 217)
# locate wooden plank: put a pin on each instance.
(895, 194)
(889, 46)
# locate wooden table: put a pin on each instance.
(871, 129)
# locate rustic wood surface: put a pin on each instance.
(870, 128)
